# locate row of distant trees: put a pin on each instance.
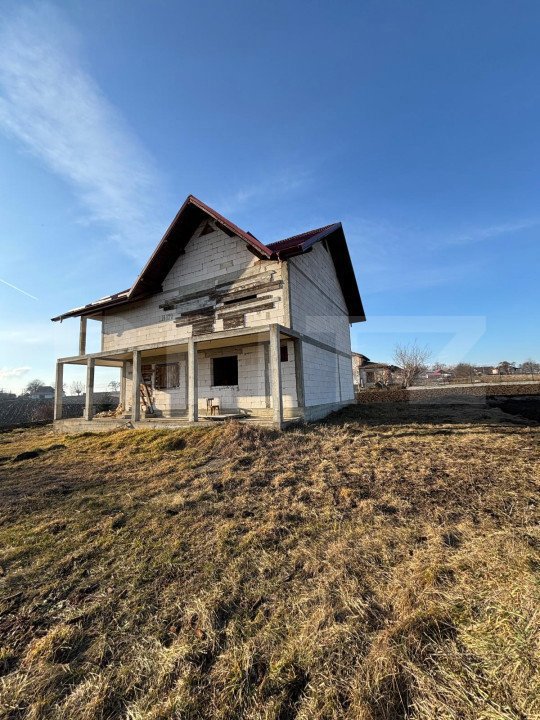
(411, 358)
(77, 387)
(413, 361)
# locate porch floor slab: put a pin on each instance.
(79, 425)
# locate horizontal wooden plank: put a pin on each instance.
(203, 311)
(234, 283)
(219, 291)
(234, 322)
(243, 311)
(251, 289)
(239, 283)
(203, 328)
(242, 303)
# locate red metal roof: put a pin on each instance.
(296, 241)
(179, 232)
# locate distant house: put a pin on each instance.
(218, 320)
(4, 395)
(368, 374)
(45, 392)
(438, 375)
(505, 368)
(485, 370)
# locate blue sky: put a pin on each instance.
(414, 123)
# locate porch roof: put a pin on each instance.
(242, 336)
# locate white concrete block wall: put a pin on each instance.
(319, 311)
(321, 385)
(288, 378)
(317, 305)
(346, 377)
(169, 400)
(206, 260)
(249, 394)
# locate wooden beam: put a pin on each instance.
(251, 289)
(232, 280)
(135, 387)
(89, 400)
(234, 321)
(234, 310)
(193, 395)
(275, 374)
(58, 391)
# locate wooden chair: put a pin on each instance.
(213, 406)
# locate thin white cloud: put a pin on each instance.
(14, 287)
(270, 189)
(393, 257)
(57, 111)
(13, 372)
(480, 234)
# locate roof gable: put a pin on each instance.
(337, 247)
(175, 239)
(181, 230)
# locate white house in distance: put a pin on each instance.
(218, 318)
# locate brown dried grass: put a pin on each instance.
(384, 565)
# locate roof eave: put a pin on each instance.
(96, 309)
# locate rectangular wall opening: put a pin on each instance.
(225, 371)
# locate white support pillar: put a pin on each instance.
(193, 382)
(122, 400)
(58, 391)
(299, 372)
(89, 402)
(136, 387)
(275, 376)
(82, 336)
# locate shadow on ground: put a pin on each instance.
(496, 410)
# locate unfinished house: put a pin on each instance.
(369, 374)
(219, 324)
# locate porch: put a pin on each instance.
(253, 374)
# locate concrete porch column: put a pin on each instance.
(299, 372)
(136, 387)
(123, 398)
(58, 391)
(275, 376)
(82, 336)
(193, 380)
(89, 402)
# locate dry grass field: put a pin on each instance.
(384, 565)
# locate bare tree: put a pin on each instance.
(505, 367)
(114, 386)
(464, 371)
(76, 387)
(530, 366)
(412, 359)
(33, 387)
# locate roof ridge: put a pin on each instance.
(313, 231)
